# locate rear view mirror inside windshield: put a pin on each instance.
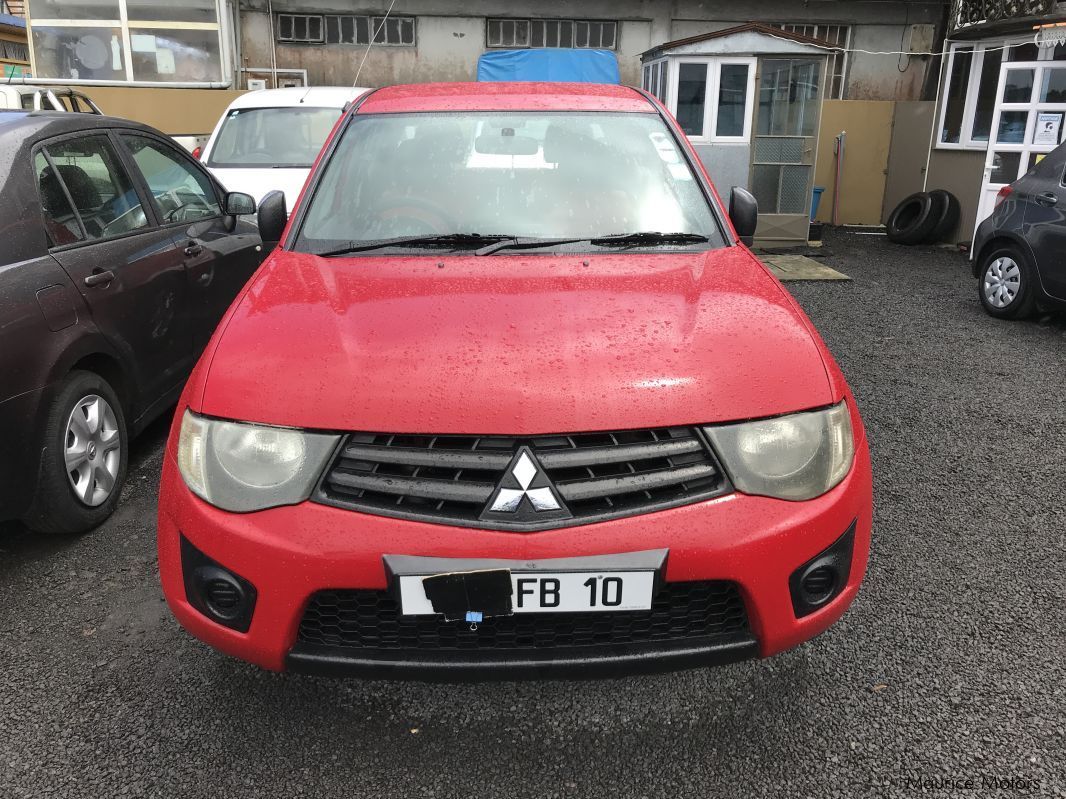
(503, 141)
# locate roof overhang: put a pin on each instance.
(750, 39)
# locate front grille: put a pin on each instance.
(449, 479)
(371, 620)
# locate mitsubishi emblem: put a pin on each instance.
(525, 494)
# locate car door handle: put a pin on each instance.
(1047, 199)
(193, 249)
(100, 277)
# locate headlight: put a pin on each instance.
(244, 467)
(793, 457)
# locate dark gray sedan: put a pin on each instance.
(1020, 250)
(119, 255)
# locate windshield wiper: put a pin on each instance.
(456, 240)
(647, 237)
(516, 243)
(614, 240)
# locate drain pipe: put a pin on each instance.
(838, 149)
(273, 47)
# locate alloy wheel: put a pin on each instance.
(1002, 282)
(92, 450)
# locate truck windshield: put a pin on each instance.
(528, 175)
(272, 137)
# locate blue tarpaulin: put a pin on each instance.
(549, 64)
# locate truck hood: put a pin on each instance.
(513, 344)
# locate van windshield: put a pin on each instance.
(537, 175)
(272, 137)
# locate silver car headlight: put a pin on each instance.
(796, 457)
(244, 467)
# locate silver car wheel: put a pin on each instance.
(1002, 282)
(92, 450)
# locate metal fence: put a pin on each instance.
(965, 13)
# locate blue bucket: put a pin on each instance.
(816, 200)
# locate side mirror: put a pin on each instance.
(237, 203)
(744, 214)
(273, 216)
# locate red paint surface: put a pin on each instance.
(511, 344)
(514, 344)
(517, 96)
(290, 553)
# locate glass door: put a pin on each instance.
(785, 143)
(1029, 122)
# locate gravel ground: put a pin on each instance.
(949, 666)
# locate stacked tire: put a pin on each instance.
(924, 218)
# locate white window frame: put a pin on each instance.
(650, 77)
(973, 83)
(713, 94)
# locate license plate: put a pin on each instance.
(560, 592)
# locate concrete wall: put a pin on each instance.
(728, 165)
(451, 36)
(884, 77)
(447, 50)
(868, 124)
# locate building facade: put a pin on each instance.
(325, 41)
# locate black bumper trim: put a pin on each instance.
(575, 663)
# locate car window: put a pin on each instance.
(103, 195)
(535, 174)
(269, 137)
(59, 218)
(180, 191)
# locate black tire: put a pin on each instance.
(913, 219)
(56, 508)
(996, 269)
(948, 218)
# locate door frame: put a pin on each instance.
(986, 202)
(782, 222)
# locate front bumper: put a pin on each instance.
(291, 553)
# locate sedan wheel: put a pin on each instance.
(1002, 282)
(1007, 284)
(93, 452)
(83, 457)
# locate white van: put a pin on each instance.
(269, 139)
